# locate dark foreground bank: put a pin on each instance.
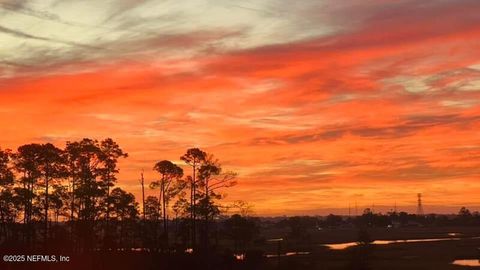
(418, 255)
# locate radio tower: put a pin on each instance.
(419, 205)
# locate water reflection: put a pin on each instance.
(472, 262)
(239, 257)
(275, 240)
(386, 242)
(341, 245)
(295, 253)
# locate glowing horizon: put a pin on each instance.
(317, 105)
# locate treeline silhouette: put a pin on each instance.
(369, 219)
(52, 198)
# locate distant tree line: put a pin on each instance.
(299, 226)
(68, 198)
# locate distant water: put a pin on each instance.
(386, 242)
(294, 253)
(472, 262)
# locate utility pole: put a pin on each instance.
(143, 194)
(356, 209)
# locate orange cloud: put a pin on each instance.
(370, 114)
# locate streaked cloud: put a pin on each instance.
(317, 104)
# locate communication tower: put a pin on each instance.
(419, 205)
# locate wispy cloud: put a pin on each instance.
(24, 35)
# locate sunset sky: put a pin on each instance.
(315, 104)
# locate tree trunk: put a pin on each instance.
(164, 202)
(106, 234)
(45, 236)
(207, 201)
(160, 208)
(72, 209)
(194, 230)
